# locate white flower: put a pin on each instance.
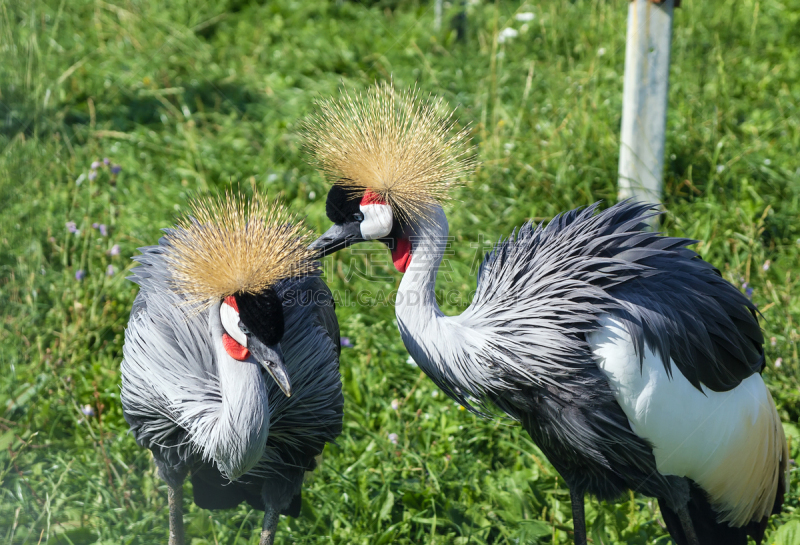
(765, 266)
(525, 16)
(778, 362)
(720, 168)
(395, 404)
(394, 438)
(507, 34)
(601, 51)
(767, 162)
(435, 393)
(312, 195)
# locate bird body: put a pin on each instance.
(629, 360)
(195, 392)
(572, 333)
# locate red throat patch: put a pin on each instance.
(401, 255)
(370, 197)
(234, 349)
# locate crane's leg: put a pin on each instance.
(578, 517)
(688, 526)
(173, 475)
(175, 495)
(270, 525)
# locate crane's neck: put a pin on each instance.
(239, 426)
(442, 346)
(416, 297)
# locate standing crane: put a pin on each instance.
(231, 360)
(629, 360)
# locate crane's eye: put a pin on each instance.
(229, 316)
(358, 216)
(243, 328)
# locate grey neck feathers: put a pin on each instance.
(444, 347)
(417, 297)
(239, 426)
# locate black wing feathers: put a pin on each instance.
(669, 297)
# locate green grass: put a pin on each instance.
(194, 96)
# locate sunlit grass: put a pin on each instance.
(188, 97)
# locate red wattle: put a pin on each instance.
(401, 255)
(370, 197)
(233, 348)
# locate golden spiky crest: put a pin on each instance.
(400, 145)
(229, 244)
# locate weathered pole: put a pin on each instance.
(644, 99)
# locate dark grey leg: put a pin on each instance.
(578, 517)
(270, 525)
(688, 526)
(175, 495)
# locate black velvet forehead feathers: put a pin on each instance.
(262, 314)
(342, 204)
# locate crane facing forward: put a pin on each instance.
(231, 360)
(629, 360)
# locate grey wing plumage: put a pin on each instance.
(168, 363)
(563, 276)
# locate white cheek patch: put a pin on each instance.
(377, 221)
(230, 322)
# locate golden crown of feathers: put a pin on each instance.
(400, 145)
(228, 245)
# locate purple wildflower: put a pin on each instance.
(92, 175)
(87, 410)
(95, 225)
(749, 292)
(395, 404)
(106, 161)
(765, 266)
(773, 341)
(80, 275)
(71, 227)
(95, 165)
(111, 270)
(394, 438)
(345, 342)
(103, 229)
(114, 250)
(116, 169)
(744, 285)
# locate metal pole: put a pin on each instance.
(644, 102)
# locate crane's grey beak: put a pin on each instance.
(340, 236)
(271, 358)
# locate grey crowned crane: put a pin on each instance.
(630, 361)
(231, 360)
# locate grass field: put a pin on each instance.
(198, 95)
